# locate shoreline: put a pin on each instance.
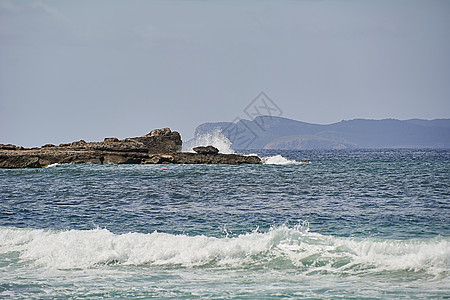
(160, 146)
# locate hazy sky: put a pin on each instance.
(74, 70)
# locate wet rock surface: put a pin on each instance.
(160, 146)
(206, 150)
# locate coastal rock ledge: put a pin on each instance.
(160, 146)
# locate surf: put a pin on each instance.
(281, 160)
(281, 248)
(215, 138)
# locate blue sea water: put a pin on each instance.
(352, 224)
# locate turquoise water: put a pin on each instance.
(350, 224)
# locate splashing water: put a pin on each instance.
(279, 160)
(280, 247)
(379, 229)
(215, 138)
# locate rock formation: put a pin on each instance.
(160, 146)
(206, 150)
(272, 132)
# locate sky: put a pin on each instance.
(72, 70)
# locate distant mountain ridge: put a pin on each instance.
(270, 132)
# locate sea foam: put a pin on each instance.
(215, 138)
(221, 142)
(53, 165)
(279, 160)
(280, 247)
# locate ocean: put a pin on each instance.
(351, 224)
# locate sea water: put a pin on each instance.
(358, 224)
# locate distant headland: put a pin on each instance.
(160, 146)
(271, 132)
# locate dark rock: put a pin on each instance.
(78, 143)
(206, 150)
(10, 147)
(161, 146)
(157, 141)
(7, 147)
(227, 159)
(48, 146)
(111, 140)
(160, 132)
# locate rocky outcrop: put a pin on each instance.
(206, 150)
(157, 141)
(160, 146)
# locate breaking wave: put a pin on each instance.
(215, 138)
(279, 160)
(53, 165)
(280, 247)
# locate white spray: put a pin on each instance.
(215, 138)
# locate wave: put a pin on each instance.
(280, 247)
(215, 138)
(280, 160)
(53, 165)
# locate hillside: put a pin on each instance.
(268, 132)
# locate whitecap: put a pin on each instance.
(52, 165)
(279, 160)
(286, 247)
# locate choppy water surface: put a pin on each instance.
(352, 224)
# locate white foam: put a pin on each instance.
(279, 160)
(52, 165)
(215, 138)
(295, 247)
